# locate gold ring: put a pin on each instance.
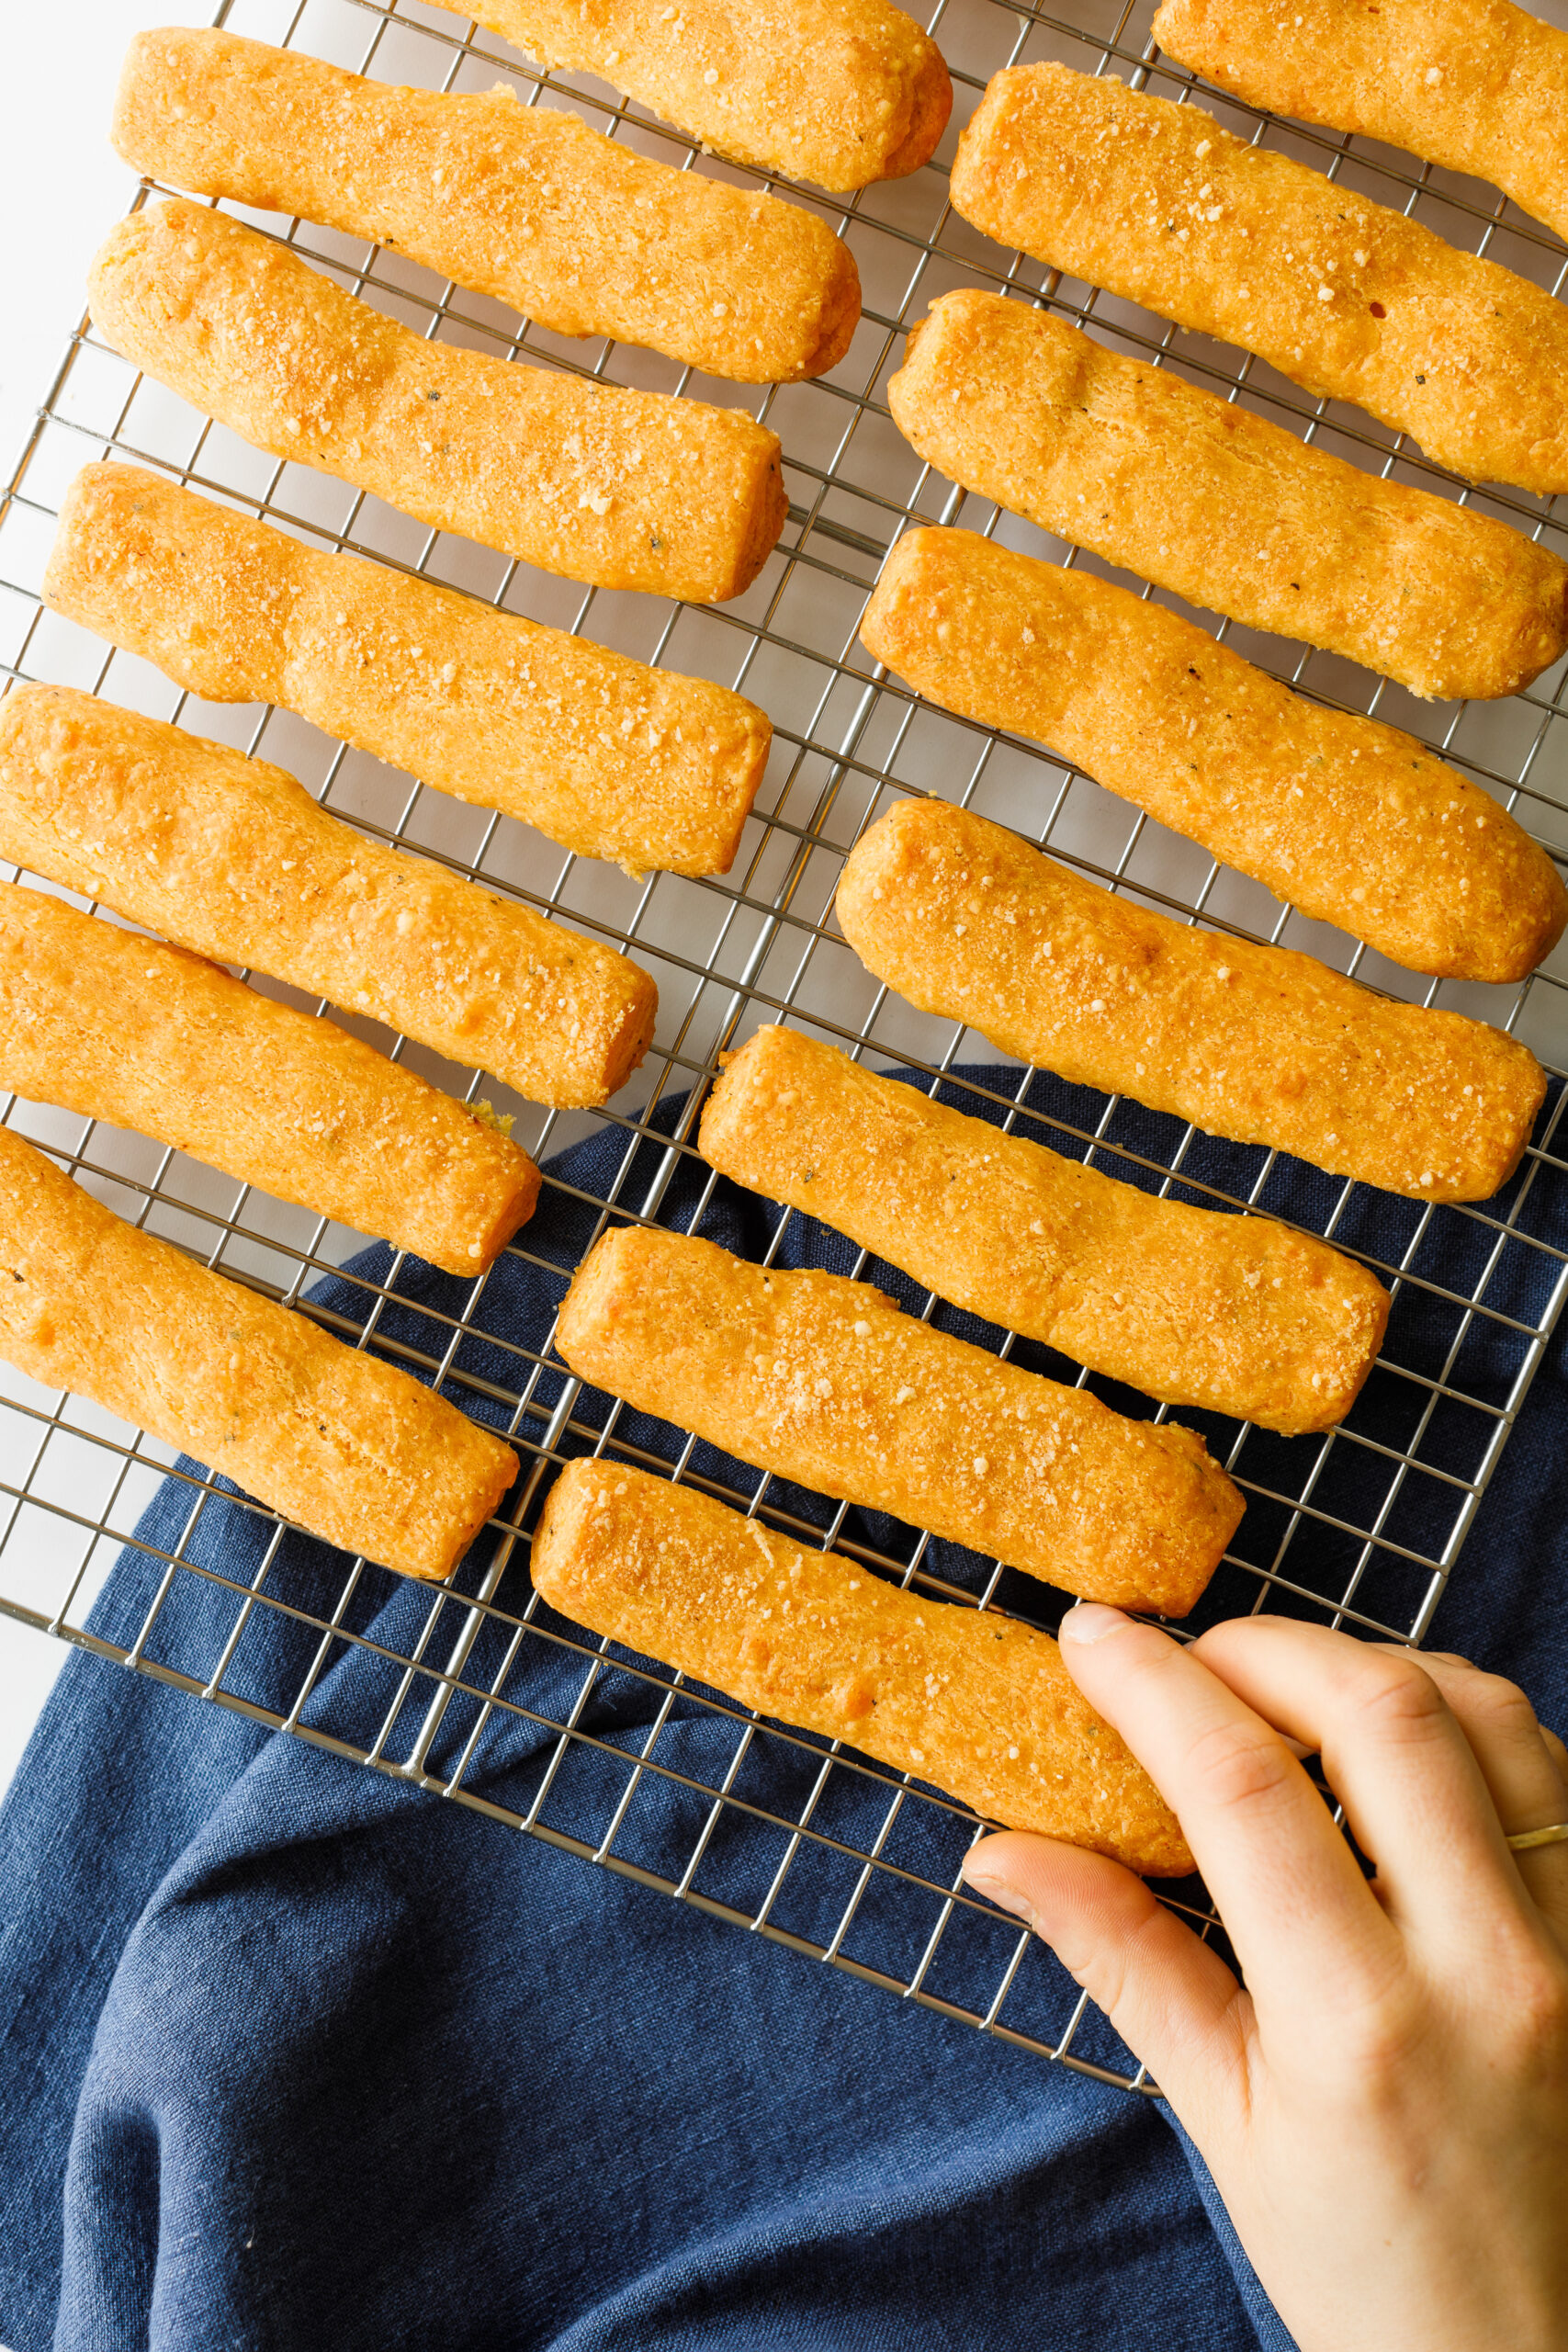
(1555, 1836)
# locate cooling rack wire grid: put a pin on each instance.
(777, 1832)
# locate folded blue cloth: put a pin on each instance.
(296, 2055)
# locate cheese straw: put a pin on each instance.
(1236, 1314)
(1203, 497)
(231, 858)
(606, 754)
(121, 1028)
(827, 1383)
(842, 92)
(620, 488)
(523, 203)
(970, 1702)
(1355, 823)
(1156, 203)
(1259, 1044)
(1477, 85)
(348, 1447)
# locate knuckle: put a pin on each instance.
(1241, 1769)
(1101, 1970)
(1500, 1704)
(1532, 2002)
(1398, 1698)
(1379, 2046)
(1103, 1950)
(1109, 1971)
(1381, 2021)
(1544, 2011)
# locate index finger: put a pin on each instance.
(1294, 1903)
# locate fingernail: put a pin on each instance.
(1090, 1620)
(1003, 1894)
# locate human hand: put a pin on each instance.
(1384, 2108)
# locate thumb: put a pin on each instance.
(1173, 2001)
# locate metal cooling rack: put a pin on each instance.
(1359, 1528)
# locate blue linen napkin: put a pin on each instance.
(293, 2054)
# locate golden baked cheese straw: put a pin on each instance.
(826, 1381)
(1203, 497)
(124, 1029)
(842, 92)
(1357, 823)
(620, 488)
(1260, 1044)
(523, 203)
(1156, 203)
(974, 1703)
(606, 754)
(1235, 1313)
(1476, 86)
(232, 858)
(348, 1447)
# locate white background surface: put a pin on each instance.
(61, 187)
